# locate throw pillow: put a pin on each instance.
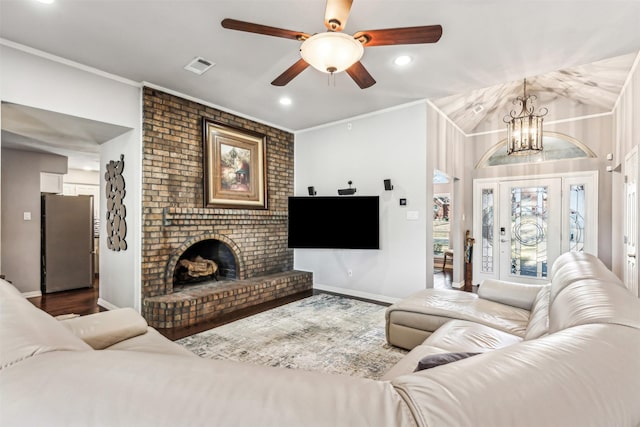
(434, 360)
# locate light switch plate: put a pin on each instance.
(413, 215)
(27, 216)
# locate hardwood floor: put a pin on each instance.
(78, 301)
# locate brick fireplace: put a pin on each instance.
(250, 246)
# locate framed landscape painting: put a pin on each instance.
(234, 167)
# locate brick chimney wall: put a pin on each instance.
(174, 215)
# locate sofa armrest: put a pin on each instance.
(101, 330)
(509, 293)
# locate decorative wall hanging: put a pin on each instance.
(116, 211)
(234, 167)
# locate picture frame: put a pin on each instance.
(235, 167)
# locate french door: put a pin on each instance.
(529, 228)
(522, 224)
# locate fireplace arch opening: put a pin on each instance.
(209, 260)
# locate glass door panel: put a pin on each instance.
(530, 229)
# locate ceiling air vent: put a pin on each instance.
(198, 65)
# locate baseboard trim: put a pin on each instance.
(106, 304)
(359, 294)
(32, 294)
(457, 285)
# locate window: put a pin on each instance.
(557, 146)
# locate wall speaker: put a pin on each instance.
(387, 185)
(347, 191)
(312, 191)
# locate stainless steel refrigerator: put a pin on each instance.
(67, 243)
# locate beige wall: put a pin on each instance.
(595, 133)
(21, 193)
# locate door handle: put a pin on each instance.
(631, 255)
(504, 240)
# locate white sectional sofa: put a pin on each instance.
(567, 356)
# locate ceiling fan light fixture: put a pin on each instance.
(331, 52)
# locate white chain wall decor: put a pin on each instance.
(116, 211)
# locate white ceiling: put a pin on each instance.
(34, 129)
(486, 49)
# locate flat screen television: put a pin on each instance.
(347, 222)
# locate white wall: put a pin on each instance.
(121, 267)
(367, 150)
(39, 80)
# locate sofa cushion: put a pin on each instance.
(408, 363)
(101, 330)
(509, 293)
(151, 342)
(26, 331)
(593, 301)
(539, 319)
(435, 360)
(585, 376)
(465, 336)
(129, 388)
(429, 309)
(571, 267)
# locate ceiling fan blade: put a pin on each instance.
(360, 75)
(233, 24)
(336, 14)
(407, 35)
(290, 73)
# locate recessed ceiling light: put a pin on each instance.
(285, 101)
(402, 60)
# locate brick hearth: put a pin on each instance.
(208, 301)
(174, 217)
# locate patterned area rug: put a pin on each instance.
(324, 332)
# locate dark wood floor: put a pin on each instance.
(78, 301)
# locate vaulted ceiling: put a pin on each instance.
(575, 54)
(572, 92)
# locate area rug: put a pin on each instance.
(326, 333)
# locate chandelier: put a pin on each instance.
(524, 129)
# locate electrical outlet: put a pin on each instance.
(350, 273)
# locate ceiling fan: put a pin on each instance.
(333, 51)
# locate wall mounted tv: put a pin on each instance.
(348, 222)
